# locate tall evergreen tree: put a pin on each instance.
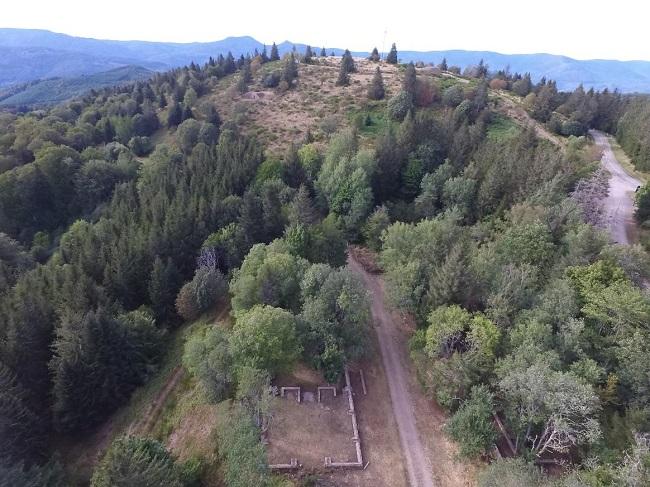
(290, 72)
(391, 58)
(347, 63)
(410, 80)
(21, 430)
(374, 55)
(307, 58)
(344, 77)
(376, 90)
(275, 55)
(175, 115)
(264, 56)
(323, 53)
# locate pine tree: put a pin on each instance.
(187, 112)
(275, 55)
(443, 65)
(392, 55)
(265, 56)
(347, 63)
(175, 115)
(21, 430)
(323, 53)
(344, 77)
(307, 58)
(376, 90)
(163, 287)
(229, 65)
(410, 80)
(246, 73)
(290, 72)
(374, 56)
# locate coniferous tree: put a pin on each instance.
(344, 77)
(347, 63)
(391, 58)
(175, 115)
(374, 56)
(229, 65)
(264, 56)
(246, 73)
(410, 80)
(323, 53)
(376, 90)
(21, 430)
(443, 65)
(163, 287)
(275, 55)
(290, 72)
(307, 58)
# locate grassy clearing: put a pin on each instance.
(626, 162)
(502, 127)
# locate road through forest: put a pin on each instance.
(619, 204)
(415, 458)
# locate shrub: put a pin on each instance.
(400, 105)
(471, 426)
(272, 80)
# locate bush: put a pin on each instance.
(453, 96)
(272, 80)
(573, 127)
(207, 357)
(201, 293)
(400, 105)
(471, 426)
(141, 146)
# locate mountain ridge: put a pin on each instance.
(65, 55)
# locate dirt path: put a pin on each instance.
(517, 113)
(417, 466)
(143, 425)
(619, 204)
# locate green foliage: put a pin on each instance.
(377, 222)
(269, 275)
(21, 429)
(98, 360)
(391, 58)
(200, 294)
(335, 319)
(376, 90)
(207, 357)
(510, 472)
(471, 426)
(400, 105)
(642, 199)
(243, 453)
(137, 461)
(265, 338)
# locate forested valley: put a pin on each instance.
(131, 212)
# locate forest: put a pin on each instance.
(130, 211)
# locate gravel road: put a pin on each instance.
(619, 204)
(417, 466)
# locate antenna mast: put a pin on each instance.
(383, 45)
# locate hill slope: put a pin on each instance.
(26, 55)
(60, 89)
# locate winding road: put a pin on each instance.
(415, 458)
(619, 204)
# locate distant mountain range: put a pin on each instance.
(27, 55)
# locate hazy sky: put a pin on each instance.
(577, 28)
